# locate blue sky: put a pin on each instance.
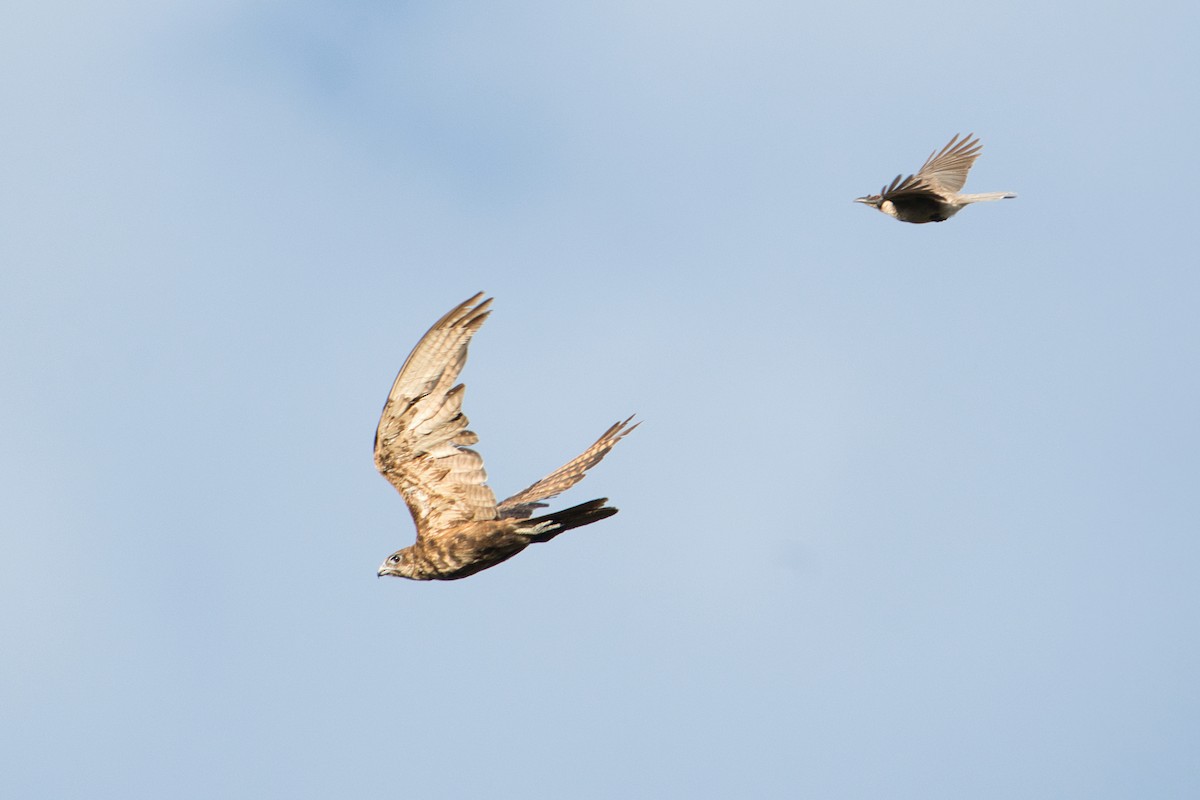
(913, 512)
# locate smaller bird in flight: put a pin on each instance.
(421, 447)
(932, 194)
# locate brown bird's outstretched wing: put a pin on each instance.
(947, 169)
(421, 443)
(522, 504)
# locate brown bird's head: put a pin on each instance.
(397, 565)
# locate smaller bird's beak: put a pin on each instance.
(866, 200)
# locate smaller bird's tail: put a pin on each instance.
(983, 198)
(543, 529)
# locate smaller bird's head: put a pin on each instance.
(872, 200)
(397, 565)
(877, 202)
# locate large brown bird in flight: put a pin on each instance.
(421, 447)
(932, 195)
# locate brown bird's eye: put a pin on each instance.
(394, 559)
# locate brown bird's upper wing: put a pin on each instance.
(522, 504)
(421, 442)
(947, 169)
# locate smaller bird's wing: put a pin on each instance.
(522, 504)
(906, 187)
(947, 169)
(421, 443)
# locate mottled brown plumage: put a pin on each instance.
(422, 448)
(932, 195)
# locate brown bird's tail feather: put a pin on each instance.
(543, 529)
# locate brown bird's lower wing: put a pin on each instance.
(522, 504)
